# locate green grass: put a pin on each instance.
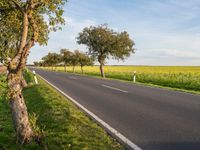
(179, 77)
(64, 125)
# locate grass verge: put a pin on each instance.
(64, 125)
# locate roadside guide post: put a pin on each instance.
(134, 76)
(36, 81)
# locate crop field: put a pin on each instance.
(182, 77)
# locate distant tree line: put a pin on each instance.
(25, 23)
(102, 43)
(66, 58)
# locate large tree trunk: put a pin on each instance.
(102, 71)
(18, 108)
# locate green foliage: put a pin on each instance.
(38, 133)
(103, 42)
(74, 59)
(28, 77)
(84, 59)
(66, 56)
(39, 63)
(43, 17)
(52, 59)
(3, 86)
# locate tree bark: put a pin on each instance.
(18, 108)
(102, 71)
(23, 82)
(15, 80)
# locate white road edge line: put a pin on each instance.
(114, 88)
(115, 132)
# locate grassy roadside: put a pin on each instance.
(64, 125)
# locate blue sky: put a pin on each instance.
(166, 32)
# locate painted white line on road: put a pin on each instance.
(107, 126)
(114, 88)
(74, 78)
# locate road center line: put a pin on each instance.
(114, 88)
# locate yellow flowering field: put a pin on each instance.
(184, 77)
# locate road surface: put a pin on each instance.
(152, 118)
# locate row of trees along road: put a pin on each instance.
(102, 44)
(23, 23)
(66, 58)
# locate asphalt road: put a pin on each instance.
(152, 118)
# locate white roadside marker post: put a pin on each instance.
(134, 76)
(36, 81)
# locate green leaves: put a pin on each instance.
(66, 56)
(103, 42)
(51, 59)
(3, 86)
(83, 59)
(44, 16)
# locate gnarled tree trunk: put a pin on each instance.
(18, 107)
(23, 82)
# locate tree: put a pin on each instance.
(56, 59)
(23, 23)
(36, 63)
(84, 60)
(74, 59)
(52, 59)
(66, 57)
(103, 43)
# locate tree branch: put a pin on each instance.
(30, 43)
(36, 5)
(31, 5)
(16, 5)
